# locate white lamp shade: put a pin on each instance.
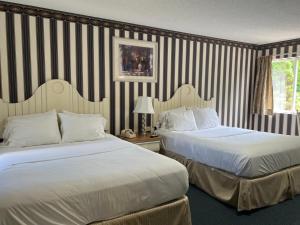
(144, 105)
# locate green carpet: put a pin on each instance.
(209, 211)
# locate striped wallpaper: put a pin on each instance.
(34, 49)
(279, 122)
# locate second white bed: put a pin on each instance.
(242, 152)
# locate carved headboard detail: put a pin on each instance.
(54, 94)
(186, 95)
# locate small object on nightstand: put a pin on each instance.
(154, 133)
(128, 133)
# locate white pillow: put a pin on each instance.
(31, 130)
(205, 117)
(181, 121)
(162, 118)
(81, 127)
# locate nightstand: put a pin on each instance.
(151, 143)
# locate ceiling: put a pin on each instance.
(253, 21)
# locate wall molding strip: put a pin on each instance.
(72, 17)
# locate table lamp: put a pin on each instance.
(144, 106)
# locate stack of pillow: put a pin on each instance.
(52, 128)
(188, 118)
(43, 128)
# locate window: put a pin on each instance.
(286, 85)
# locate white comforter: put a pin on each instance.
(239, 151)
(84, 182)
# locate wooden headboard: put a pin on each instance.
(54, 94)
(186, 95)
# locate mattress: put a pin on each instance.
(84, 182)
(242, 152)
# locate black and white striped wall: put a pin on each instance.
(37, 45)
(279, 122)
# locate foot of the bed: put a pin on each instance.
(172, 213)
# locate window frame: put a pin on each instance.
(296, 60)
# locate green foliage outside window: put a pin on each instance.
(283, 75)
(298, 89)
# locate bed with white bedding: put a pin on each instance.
(80, 183)
(242, 152)
(244, 168)
(58, 166)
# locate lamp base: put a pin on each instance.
(143, 131)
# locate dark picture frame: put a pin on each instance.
(134, 60)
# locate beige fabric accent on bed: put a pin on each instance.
(175, 213)
(242, 193)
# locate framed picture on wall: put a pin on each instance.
(134, 60)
